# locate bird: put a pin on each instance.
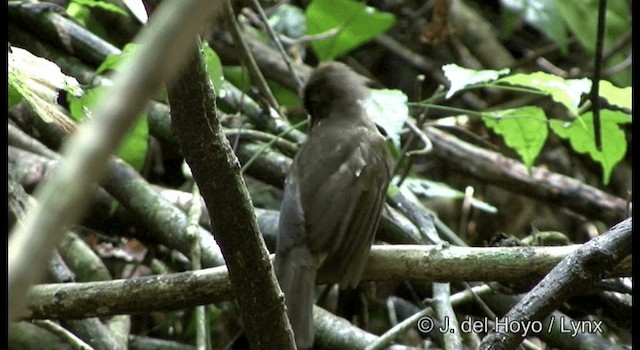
(333, 193)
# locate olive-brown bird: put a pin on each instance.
(333, 194)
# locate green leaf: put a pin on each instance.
(565, 91)
(388, 109)
(85, 17)
(214, 67)
(543, 15)
(356, 24)
(133, 148)
(616, 96)
(434, 190)
(114, 61)
(462, 77)
(523, 129)
(582, 138)
(101, 5)
(14, 96)
(237, 76)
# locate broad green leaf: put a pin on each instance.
(14, 96)
(214, 67)
(616, 96)
(101, 5)
(133, 148)
(523, 129)
(356, 24)
(237, 76)
(582, 138)
(462, 77)
(86, 17)
(565, 91)
(39, 82)
(388, 109)
(113, 62)
(543, 15)
(431, 189)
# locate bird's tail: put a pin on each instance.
(297, 276)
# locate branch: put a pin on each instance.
(216, 170)
(577, 272)
(386, 263)
(164, 43)
(479, 36)
(559, 190)
(336, 333)
(247, 57)
(555, 326)
(165, 223)
(52, 24)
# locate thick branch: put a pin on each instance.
(542, 184)
(577, 272)
(217, 173)
(398, 262)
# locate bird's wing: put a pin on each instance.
(342, 213)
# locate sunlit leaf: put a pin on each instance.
(388, 109)
(39, 81)
(137, 8)
(523, 129)
(565, 91)
(616, 96)
(462, 77)
(214, 67)
(356, 22)
(104, 5)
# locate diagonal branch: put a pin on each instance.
(216, 170)
(578, 271)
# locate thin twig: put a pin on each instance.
(276, 40)
(63, 333)
(195, 211)
(421, 319)
(597, 70)
(248, 59)
(423, 137)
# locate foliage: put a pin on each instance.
(525, 129)
(341, 29)
(580, 133)
(555, 18)
(356, 24)
(39, 82)
(134, 146)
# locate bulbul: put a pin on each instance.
(333, 193)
